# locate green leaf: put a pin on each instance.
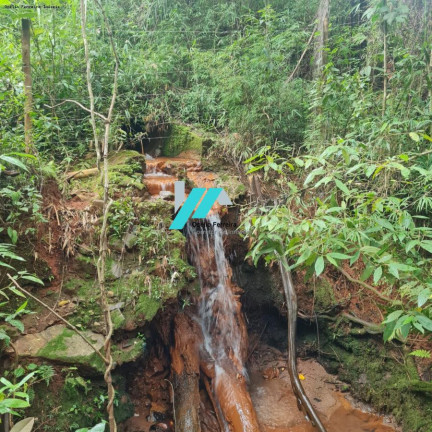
(342, 187)
(426, 245)
(393, 270)
(16, 292)
(393, 316)
(13, 161)
(420, 353)
(389, 330)
(14, 403)
(4, 336)
(98, 428)
(313, 174)
(370, 170)
(423, 297)
(16, 323)
(319, 265)
(32, 278)
(369, 269)
(22, 307)
(377, 274)
(414, 136)
(338, 255)
(13, 235)
(425, 322)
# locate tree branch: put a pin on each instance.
(301, 57)
(367, 286)
(80, 105)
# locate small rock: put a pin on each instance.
(119, 305)
(110, 294)
(129, 240)
(116, 269)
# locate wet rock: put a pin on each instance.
(166, 195)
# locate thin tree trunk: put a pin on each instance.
(321, 43)
(103, 235)
(88, 76)
(26, 67)
(103, 239)
(384, 100)
(320, 57)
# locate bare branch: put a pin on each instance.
(301, 57)
(80, 105)
(367, 286)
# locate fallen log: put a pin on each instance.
(82, 174)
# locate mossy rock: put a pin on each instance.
(128, 161)
(128, 351)
(180, 139)
(62, 345)
(125, 171)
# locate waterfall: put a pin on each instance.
(222, 324)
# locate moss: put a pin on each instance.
(146, 307)
(118, 319)
(57, 349)
(85, 264)
(324, 295)
(130, 353)
(128, 158)
(377, 378)
(125, 174)
(83, 287)
(180, 139)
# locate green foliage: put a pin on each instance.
(420, 353)
(16, 396)
(354, 219)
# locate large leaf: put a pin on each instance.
(13, 161)
(319, 265)
(25, 425)
(100, 427)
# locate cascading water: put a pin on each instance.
(224, 331)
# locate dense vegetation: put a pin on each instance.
(345, 146)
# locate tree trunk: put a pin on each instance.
(185, 365)
(26, 67)
(321, 43)
(384, 99)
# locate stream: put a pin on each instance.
(243, 391)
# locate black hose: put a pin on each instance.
(303, 402)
